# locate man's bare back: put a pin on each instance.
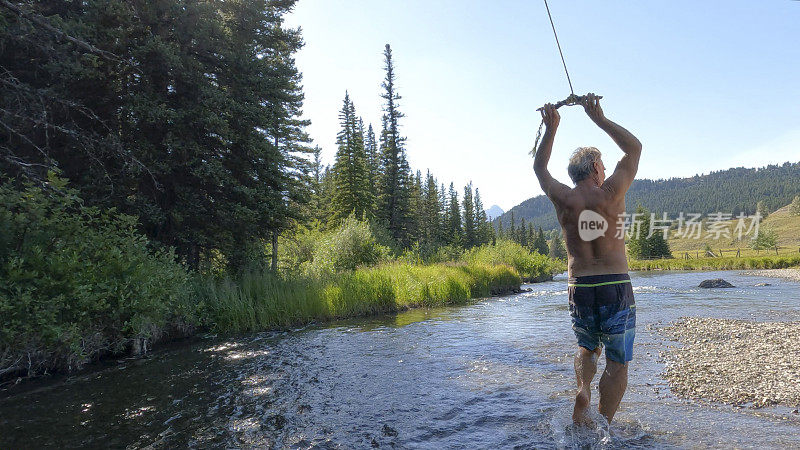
(600, 292)
(606, 197)
(604, 254)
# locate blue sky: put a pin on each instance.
(704, 85)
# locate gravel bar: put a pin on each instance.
(791, 274)
(738, 362)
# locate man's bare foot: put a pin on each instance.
(579, 416)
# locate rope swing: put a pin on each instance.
(569, 101)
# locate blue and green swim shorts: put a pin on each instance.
(603, 310)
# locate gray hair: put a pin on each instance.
(581, 163)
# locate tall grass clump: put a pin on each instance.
(531, 266)
(259, 301)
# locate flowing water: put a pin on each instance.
(492, 374)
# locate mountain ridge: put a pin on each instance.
(733, 190)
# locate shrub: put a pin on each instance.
(316, 253)
(77, 282)
(764, 240)
(530, 265)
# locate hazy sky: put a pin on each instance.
(704, 85)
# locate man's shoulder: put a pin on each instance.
(575, 202)
(602, 200)
(568, 200)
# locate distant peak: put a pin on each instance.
(493, 212)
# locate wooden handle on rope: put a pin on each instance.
(569, 101)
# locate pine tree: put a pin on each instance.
(316, 168)
(530, 237)
(444, 211)
(557, 249)
(373, 159)
(540, 244)
(468, 211)
(522, 234)
(415, 202)
(642, 246)
(406, 203)
(326, 189)
(454, 231)
(393, 185)
(485, 231)
(430, 224)
(659, 247)
(637, 242)
(316, 202)
(352, 194)
(368, 195)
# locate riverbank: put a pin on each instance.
(725, 263)
(263, 301)
(252, 302)
(738, 362)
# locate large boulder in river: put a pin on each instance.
(716, 283)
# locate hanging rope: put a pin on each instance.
(569, 101)
(559, 48)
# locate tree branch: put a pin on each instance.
(42, 22)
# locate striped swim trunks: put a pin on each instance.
(603, 310)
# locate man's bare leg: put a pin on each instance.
(612, 387)
(585, 368)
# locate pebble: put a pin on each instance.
(790, 274)
(734, 361)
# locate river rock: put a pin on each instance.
(716, 283)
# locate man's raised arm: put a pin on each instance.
(619, 182)
(551, 187)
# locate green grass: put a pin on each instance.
(532, 267)
(724, 263)
(785, 226)
(262, 301)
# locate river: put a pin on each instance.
(496, 373)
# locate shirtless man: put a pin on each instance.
(600, 294)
